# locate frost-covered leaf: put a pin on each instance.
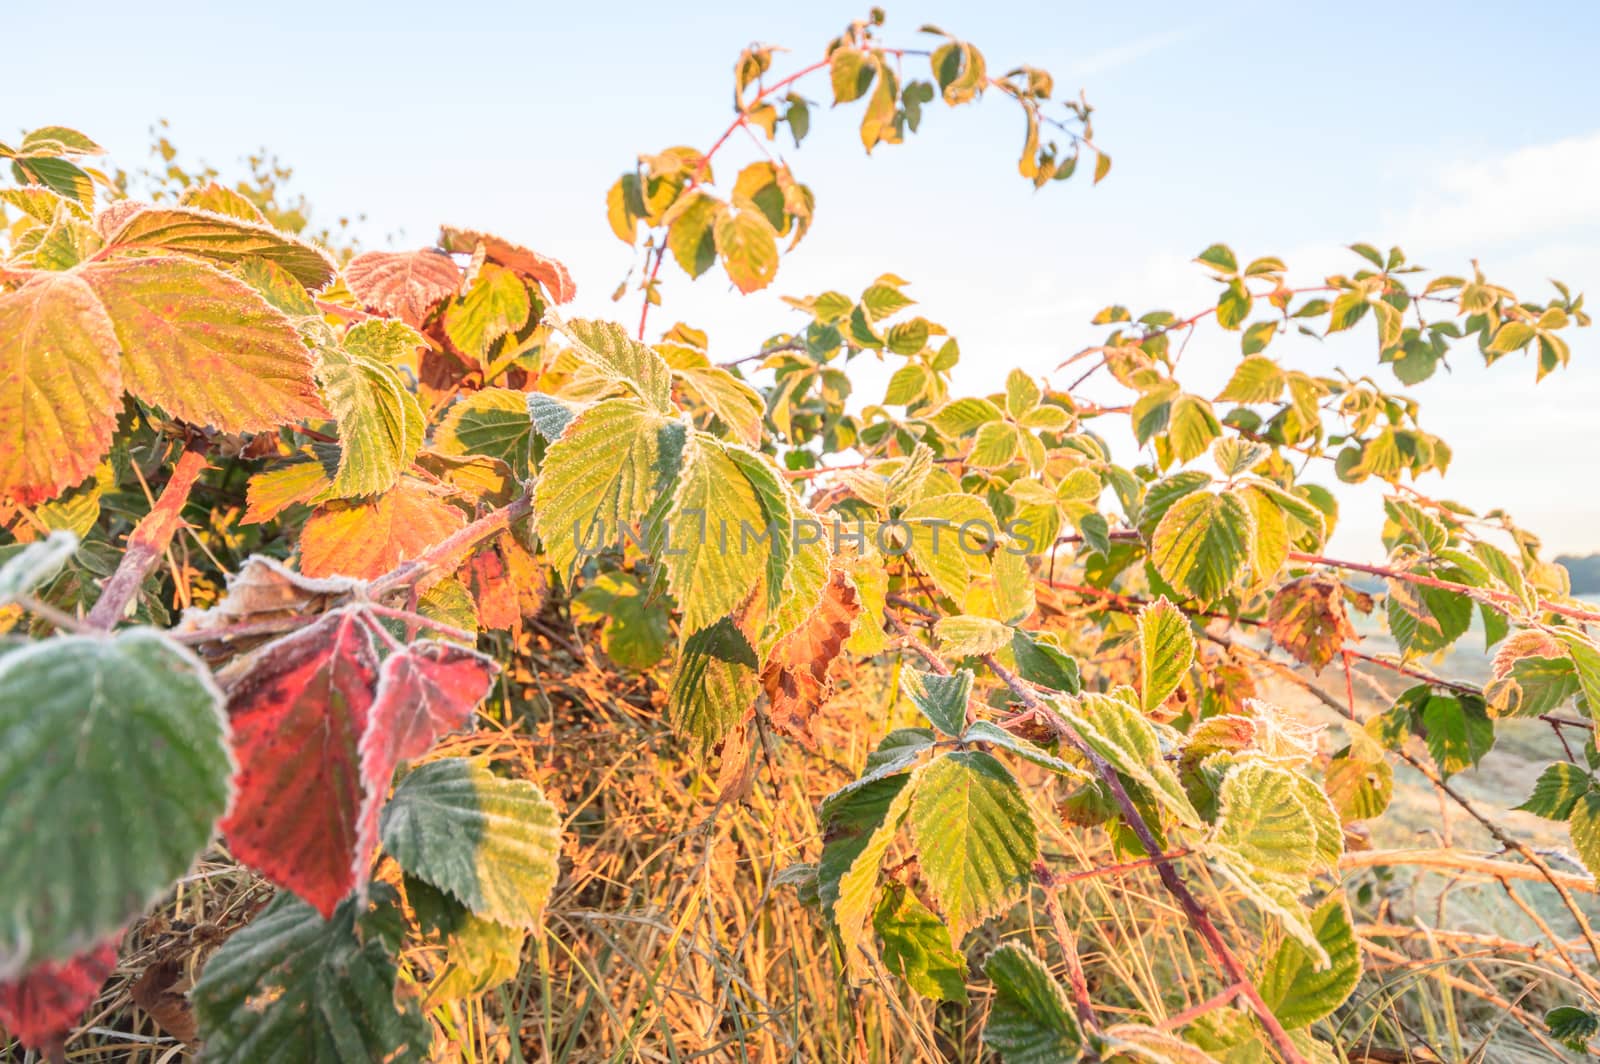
(290, 985)
(1031, 1021)
(426, 689)
(716, 681)
(1166, 650)
(221, 238)
(848, 882)
(492, 843)
(1118, 732)
(942, 699)
(916, 946)
(32, 564)
(735, 403)
(984, 731)
(60, 385)
(101, 735)
(42, 1006)
(963, 635)
(550, 274)
(493, 422)
(1041, 662)
(299, 710)
(1298, 989)
(404, 284)
(1307, 618)
(712, 552)
(975, 837)
(368, 538)
(497, 303)
(796, 673)
(951, 557)
(1264, 820)
(380, 423)
(606, 347)
(1203, 543)
(551, 414)
(602, 476)
(204, 346)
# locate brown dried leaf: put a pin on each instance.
(168, 1007)
(796, 676)
(1307, 618)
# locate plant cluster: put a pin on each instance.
(429, 452)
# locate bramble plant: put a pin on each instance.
(393, 463)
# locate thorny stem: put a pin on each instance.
(1199, 918)
(450, 549)
(149, 539)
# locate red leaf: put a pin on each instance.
(547, 271)
(492, 588)
(406, 285)
(43, 1006)
(299, 712)
(424, 691)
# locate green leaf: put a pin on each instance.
(908, 337)
(1219, 257)
(380, 423)
(1116, 730)
(975, 837)
(35, 563)
(1359, 788)
(1191, 427)
(1299, 990)
(853, 895)
(964, 635)
(1166, 650)
(691, 233)
(1022, 393)
(851, 73)
(1459, 732)
(749, 248)
(984, 731)
(997, 444)
(1203, 543)
(717, 679)
(960, 416)
(1265, 821)
(1585, 828)
(950, 558)
(1256, 379)
(1349, 308)
(115, 767)
(1233, 306)
(884, 300)
(606, 347)
(602, 476)
(220, 238)
(1039, 662)
(1586, 661)
(1031, 1021)
(636, 629)
(713, 554)
(1572, 1026)
(736, 404)
(289, 986)
(916, 946)
(495, 305)
(942, 699)
(491, 421)
(1558, 790)
(492, 843)
(58, 175)
(1257, 337)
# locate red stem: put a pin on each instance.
(149, 539)
(705, 161)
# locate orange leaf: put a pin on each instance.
(547, 271)
(403, 284)
(796, 674)
(366, 539)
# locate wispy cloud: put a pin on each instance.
(1121, 55)
(1536, 191)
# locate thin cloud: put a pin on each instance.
(1121, 55)
(1535, 191)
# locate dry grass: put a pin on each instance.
(669, 940)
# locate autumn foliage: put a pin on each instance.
(397, 465)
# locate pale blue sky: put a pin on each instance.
(1455, 129)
